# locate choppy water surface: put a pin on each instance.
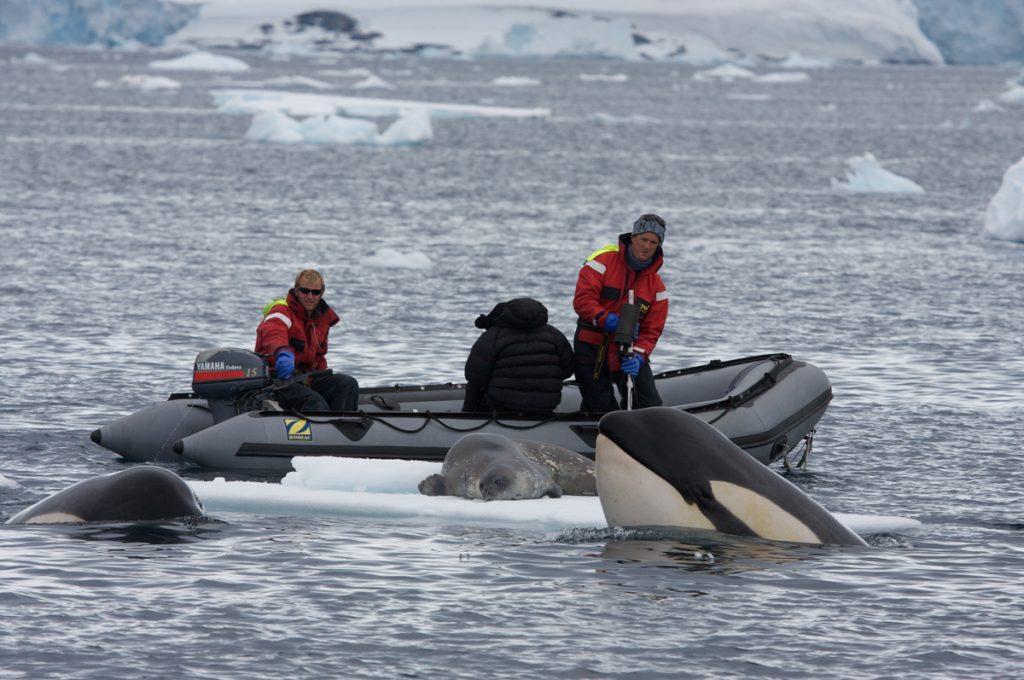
(139, 228)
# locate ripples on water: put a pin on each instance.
(139, 228)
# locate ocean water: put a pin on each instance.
(139, 228)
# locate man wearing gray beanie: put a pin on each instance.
(604, 284)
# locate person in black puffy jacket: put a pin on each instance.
(520, 361)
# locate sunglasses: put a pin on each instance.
(311, 291)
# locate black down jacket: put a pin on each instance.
(520, 361)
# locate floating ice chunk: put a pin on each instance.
(201, 61)
(274, 126)
(299, 81)
(797, 60)
(346, 73)
(1015, 95)
(725, 73)
(604, 77)
(387, 258)
(220, 496)
(987, 106)
(337, 130)
(277, 127)
(867, 176)
(1004, 218)
(359, 474)
(373, 82)
(782, 78)
(827, 108)
(514, 81)
(33, 59)
(611, 119)
(748, 96)
(308, 104)
(8, 483)
(292, 497)
(102, 84)
(412, 128)
(149, 83)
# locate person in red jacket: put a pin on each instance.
(293, 336)
(603, 286)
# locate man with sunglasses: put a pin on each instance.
(604, 284)
(293, 335)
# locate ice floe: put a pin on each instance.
(987, 106)
(388, 258)
(387, 489)
(201, 61)
(147, 83)
(1014, 95)
(277, 127)
(725, 73)
(867, 176)
(8, 483)
(372, 82)
(514, 81)
(295, 81)
(633, 119)
(1004, 218)
(782, 78)
(309, 104)
(603, 77)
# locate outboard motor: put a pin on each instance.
(225, 376)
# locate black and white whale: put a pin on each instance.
(140, 494)
(490, 467)
(665, 467)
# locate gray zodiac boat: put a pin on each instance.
(765, 404)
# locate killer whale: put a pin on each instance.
(145, 493)
(664, 467)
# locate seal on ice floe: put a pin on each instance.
(490, 467)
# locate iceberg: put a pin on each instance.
(277, 127)
(201, 61)
(974, 31)
(1004, 218)
(93, 22)
(987, 106)
(867, 176)
(8, 483)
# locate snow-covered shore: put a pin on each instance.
(693, 31)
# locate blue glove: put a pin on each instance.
(284, 365)
(631, 366)
(611, 322)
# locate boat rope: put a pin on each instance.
(802, 463)
(427, 418)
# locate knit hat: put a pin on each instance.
(652, 223)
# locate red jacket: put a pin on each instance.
(287, 325)
(603, 286)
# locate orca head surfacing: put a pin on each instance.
(665, 467)
(145, 493)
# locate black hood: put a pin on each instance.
(517, 313)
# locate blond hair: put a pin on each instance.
(309, 275)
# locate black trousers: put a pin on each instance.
(335, 392)
(598, 395)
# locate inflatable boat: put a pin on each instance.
(765, 404)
